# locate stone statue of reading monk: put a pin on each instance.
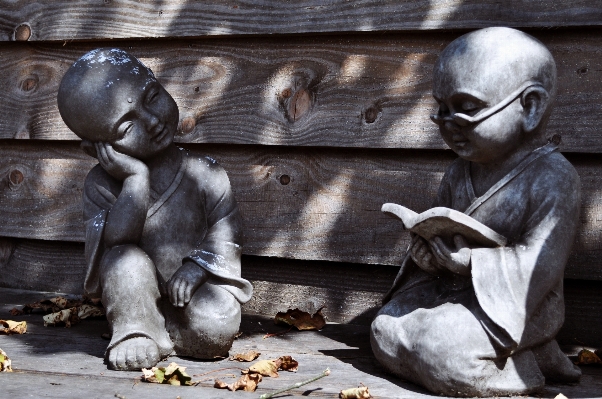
(466, 320)
(163, 231)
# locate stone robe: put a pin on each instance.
(196, 219)
(474, 336)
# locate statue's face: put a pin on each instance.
(110, 96)
(145, 119)
(471, 91)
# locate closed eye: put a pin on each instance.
(125, 128)
(470, 107)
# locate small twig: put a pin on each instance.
(297, 385)
(215, 371)
(276, 334)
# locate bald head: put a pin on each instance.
(97, 88)
(494, 62)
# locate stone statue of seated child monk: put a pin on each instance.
(163, 231)
(465, 321)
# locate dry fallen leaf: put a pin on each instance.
(85, 311)
(9, 327)
(587, 357)
(172, 375)
(267, 368)
(67, 316)
(301, 320)
(247, 382)
(355, 393)
(5, 363)
(246, 356)
(73, 315)
(55, 305)
(287, 363)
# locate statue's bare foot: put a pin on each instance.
(133, 354)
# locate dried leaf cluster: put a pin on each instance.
(9, 327)
(63, 310)
(5, 363)
(247, 382)
(172, 375)
(355, 393)
(588, 357)
(301, 320)
(252, 376)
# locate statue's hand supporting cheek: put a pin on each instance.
(117, 164)
(456, 260)
(184, 283)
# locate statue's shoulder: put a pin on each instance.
(206, 172)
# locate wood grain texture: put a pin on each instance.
(349, 293)
(84, 20)
(329, 210)
(343, 91)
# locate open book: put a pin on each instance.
(445, 223)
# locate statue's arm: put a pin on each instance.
(126, 218)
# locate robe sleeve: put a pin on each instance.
(97, 201)
(220, 251)
(512, 283)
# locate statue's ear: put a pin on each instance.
(88, 148)
(535, 101)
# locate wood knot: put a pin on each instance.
(22, 32)
(29, 84)
(297, 93)
(15, 178)
(299, 105)
(285, 179)
(556, 139)
(188, 125)
(371, 114)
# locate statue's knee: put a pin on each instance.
(207, 325)
(126, 256)
(213, 310)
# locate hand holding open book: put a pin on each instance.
(445, 223)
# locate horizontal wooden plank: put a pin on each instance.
(330, 209)
(343, 91)
(84, 20)
(349, 293)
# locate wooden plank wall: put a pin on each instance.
(317, 110)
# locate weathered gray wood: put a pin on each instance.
(67, 363)
(77, 20)
(330, 210)
(342, 91)
(351, 293)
